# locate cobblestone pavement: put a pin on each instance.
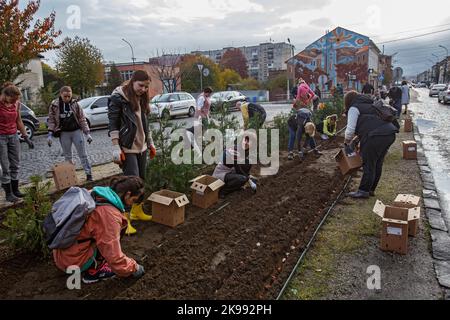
(40, 160)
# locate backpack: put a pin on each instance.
(63, 224)
(385, 112)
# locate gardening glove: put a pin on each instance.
(50, 139)
(89, 138)
(29, 142)
(117, 152)
(349, 149)
(252, 185)
(152, 150)
(139, 272)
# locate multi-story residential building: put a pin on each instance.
(31, 82)
(261, 59)
(340, 57)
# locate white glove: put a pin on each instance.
(117, 151)
(139, 272)
(252, 185)
(50, 139)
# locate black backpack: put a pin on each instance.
(384, 111)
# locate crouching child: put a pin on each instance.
(95, 248)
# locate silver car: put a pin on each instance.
(171, 105)
(435, 89)
(444, 95)
(96, 111)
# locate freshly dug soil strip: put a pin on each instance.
(246, 250)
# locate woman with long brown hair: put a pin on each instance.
(128, 111)
(10, 123)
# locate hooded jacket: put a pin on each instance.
(124, 123)
(104, 226)
(327, 128)
(54, 124)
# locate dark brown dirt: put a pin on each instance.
(244, 251)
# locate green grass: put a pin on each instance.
(349, 228)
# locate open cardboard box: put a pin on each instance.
(347, 164)
(64, 175)
(205, 191)
(409, 201)
(395, 227)
(168, 207)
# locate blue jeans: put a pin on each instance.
(398, 106)
(293, 134)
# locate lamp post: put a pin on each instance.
(288, 92)
(446, 62)
(200, 68)
(132, 51)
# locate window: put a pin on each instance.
(126, 75)
(174, 97)
(101, 103)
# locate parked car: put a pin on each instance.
(435, 89)
(96, 111)
(228, 99)
(444, 95)
(29, 120)
(171, 105)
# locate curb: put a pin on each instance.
(439, 230)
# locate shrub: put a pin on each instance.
(24, 225)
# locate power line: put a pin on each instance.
(414, 37)
(407, 31)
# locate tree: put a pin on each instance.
(114, 79)
(168, 70)
(250, 84)
(19, 42)
(191, 75)
(80, 65)
(235, 60)
(228, 77)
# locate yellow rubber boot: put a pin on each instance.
(137, 213)
(130, 230)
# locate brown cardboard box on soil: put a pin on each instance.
(395, 228)
(347, 164)
(64, 175)
(409, 201)
(168, 207)
(205, 191)
(409, 150)
(408, 127)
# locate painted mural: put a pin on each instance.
(339, 57)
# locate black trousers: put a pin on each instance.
(373, 152)
(235, 181)
(135, 164)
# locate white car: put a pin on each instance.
(96, 111)
(171, 105)
(444, 95)
(435, 89)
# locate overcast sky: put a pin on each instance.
(186, 25)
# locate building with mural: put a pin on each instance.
(340, 57)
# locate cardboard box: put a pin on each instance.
(409, 150)
(64, 175)
(168, 207)
(347, 164)
(395, 228)
(205, 191)
(408, 127)
(409, 201)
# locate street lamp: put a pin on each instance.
(200, 68)
(132, 51)
(288, 80)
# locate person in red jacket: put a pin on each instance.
(98, 252)
(10, 123)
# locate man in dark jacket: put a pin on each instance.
(368, 89)
(395, 96)
(375, 135)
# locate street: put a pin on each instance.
(40, 160)
(432, 119)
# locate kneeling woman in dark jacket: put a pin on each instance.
(375, 135)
